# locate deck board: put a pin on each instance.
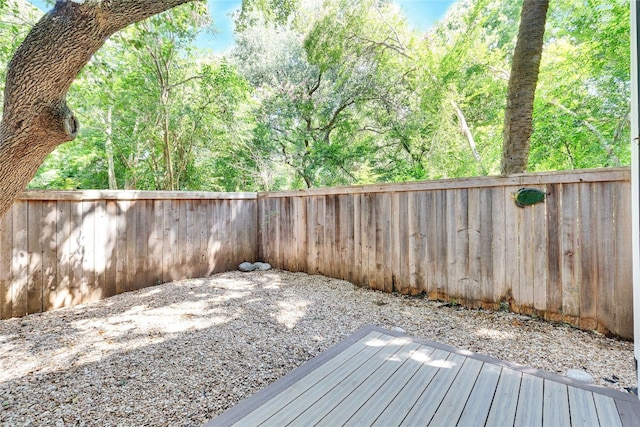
(477, 407)
(505, 403)
(530, 398)
(583, 408)
(556, 405)
(404, 401)
(364, 392)
(435, 392)
(379, 377)
(367, 413)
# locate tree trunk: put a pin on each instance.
(36, 118)
(522, 86)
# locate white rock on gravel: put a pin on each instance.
(580, 375)
(183, 352)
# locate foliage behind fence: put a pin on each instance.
(567, 259)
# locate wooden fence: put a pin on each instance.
(567, 259)
(65, 248)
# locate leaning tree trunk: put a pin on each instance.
(522, 87)
(36, 118)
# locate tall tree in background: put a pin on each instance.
(36, 118)
(523, 79)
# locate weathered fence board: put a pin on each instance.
(83, 246)
(567, 259)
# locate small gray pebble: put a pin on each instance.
(262, 266)
(246, 266)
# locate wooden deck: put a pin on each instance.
(382, 378)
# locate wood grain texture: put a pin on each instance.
(567, 259)
(6, 257)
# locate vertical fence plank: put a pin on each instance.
(190, 239)
(111, 229)
(413, 243)
(501, 288)
(132, 246)
(513, 248)
(212, 243)
(605, 266)
(344, 220)
(76, 284)
(365, 238)
(442, 244)
(6, 247)
(472, 283)
(622, 289)
(554, 280)
(329, 240)
(129, 256)
(286, 229)
(20, 262)
(379, 242)
(570, 253)
(385, 242)
(263, 250)
(355, 269)
(312, 237)
(63, 234)
(588, 262)
(395, 241)
(339, 244)
(155, 244)
(87, 243)
(539, 281)
(404, 246)
(486, 236)
(376, 276)
(302, 236)
(181, 255)
(422, 225)
(271, 226)
(101, 247)
(168, 238)
(122, 207)
(250, 221)
(49, 254)
(274, 225)
(458, 250)
(527, 261)
(34, 257)
(431, 244)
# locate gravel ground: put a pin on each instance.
(181, 353)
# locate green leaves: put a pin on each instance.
(338, 92)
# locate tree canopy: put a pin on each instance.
(335, 92)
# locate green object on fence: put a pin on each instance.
(528, 196)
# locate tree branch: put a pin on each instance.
(603, 141)
(35, 117)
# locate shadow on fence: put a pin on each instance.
(78, 248)
(567, 259)
(465, 240)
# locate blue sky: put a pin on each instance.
(421, 14)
